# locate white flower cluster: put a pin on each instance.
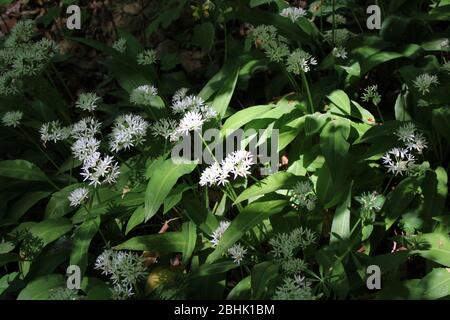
(143, 95)
(293, 13)
(129, 130)
(78, 196)
(237, 163)
(87, 101)
(84, 147)
(194, 110)
(371, 201)
(413, 140)
(146, 58)
(237, 253)
(340, 52)
(100, 170)
(54, 131)
(86, 127)
(302, 196)
(163, 128)
(300, 61)
(218, 233)
(120, 45)
(401, 161)
(12, 118)
(125, 269)
(424, 82)
(371, 93)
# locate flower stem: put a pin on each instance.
(308, 92)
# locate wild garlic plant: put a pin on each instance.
(22, 58)
(125, 270)
(298, 62)
(403, 160)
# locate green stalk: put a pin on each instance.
(308, 92)
(39, 147)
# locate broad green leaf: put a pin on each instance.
(435, 285)
(161, 182)
(211, 269)
(6, 280)
(28, 200)
(21, 169)
(48, 230)
(252, 215)
(340, 228)
(129, 200)
(81, 242)
(334, 146)
(7, 258)
(203, 36)
(223, 96)
(433, 246)
(198, 213)
(399, 199)
(189, 231)
(242, 117)
(136, 219)
(167, 242)
(340, 99)
(241, 291)
(274, 182)
(40, 288)
(434, 190)
(262, 278)
(59, 204)
(441, 121)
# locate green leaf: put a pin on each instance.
(435, 285)
(441, 121)
(48, 230)
(28, 200)
(81, 242)
(211, 269)
(242, 117)
(161, 182)
(203, 36)
(189, 231)
(274, 182)
(241, 291)
(109, 200)
(340, 99)
(136, 219)
(40, 288)
(199, 214)
(223, 96)
(6, 280)
(21, 169)
(434, 190)
(263, 276)
(334, 146)
(167, 242)
(252, 215)
(7, 258)
(433, 246)
(340, 228)
(59, 204)
(399, 199)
